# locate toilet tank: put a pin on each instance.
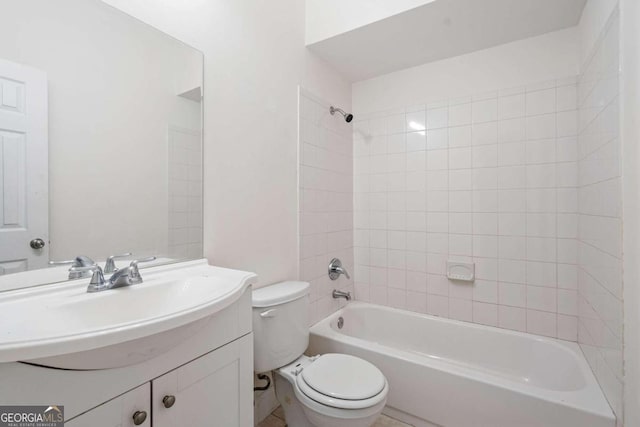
(280, 324)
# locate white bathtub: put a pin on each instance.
(449, 373)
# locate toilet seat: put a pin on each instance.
(342, 381)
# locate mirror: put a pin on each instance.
(100, 140)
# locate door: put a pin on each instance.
(213, 390)
(128, 410)
(24, 199)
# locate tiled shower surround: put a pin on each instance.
(489, 179)
(326, 201)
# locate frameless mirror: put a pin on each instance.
(100, 140)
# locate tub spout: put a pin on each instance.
(339, 294)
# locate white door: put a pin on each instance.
(214, 390)
(24, 199)
(128, 410)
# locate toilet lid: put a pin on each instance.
(344, 377)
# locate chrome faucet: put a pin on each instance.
(336, 269)
(340, 294)
(124, 277)
(79, 261)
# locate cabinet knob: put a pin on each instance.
(139, 417)
(168, 401)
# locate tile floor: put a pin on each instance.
(276, 419)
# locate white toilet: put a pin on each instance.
(329, 390)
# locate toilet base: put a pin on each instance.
(293, 411)
(296, 414)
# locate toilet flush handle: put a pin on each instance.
(269, 313)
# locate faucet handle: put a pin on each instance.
(336, 269)
(134, 273)
(69, 261)
(135, 262)
(110, 266)
(79, 261)
(97, 279)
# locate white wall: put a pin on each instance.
(519, 63)
(594, 17)
(254, 61)
(108, 120)
(630, 102)
(600, 208)
(328, 18)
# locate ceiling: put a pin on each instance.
(442, 29)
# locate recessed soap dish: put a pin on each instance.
(461, 271)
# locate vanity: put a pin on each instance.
(175, 350)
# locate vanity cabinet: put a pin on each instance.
(204, 392)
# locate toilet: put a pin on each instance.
(328, 390)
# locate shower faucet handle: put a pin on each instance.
(336, 269)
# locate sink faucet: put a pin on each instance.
(124, 277)
(340, 294)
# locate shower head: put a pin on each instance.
(347, 117)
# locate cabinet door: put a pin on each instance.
(213, 390)
(118, 412)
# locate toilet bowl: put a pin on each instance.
(329, 390)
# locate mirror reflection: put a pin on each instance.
(100, 139)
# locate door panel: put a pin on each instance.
(214, 390)
(23, 167)
(118, 412)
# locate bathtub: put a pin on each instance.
(447, 373)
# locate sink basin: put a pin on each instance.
(63, 326)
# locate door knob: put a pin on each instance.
(139, 417)
(37, 243)
(169, 401)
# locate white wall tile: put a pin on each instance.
(488, 181)
(437, 139)
(541, 102)
(437, 118)
(416, 141)
(485, 110)
(460, 114)
(512, 318)
(460, 136)
(511, 106)
(484, 133)
(416, 121)
(511, 130)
